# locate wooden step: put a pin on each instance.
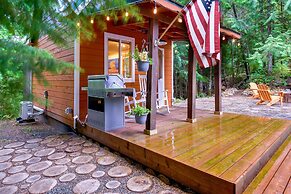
(275, 175)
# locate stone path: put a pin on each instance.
(245, 105)
(71, 164)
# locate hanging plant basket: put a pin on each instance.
(143, 65)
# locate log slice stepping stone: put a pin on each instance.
(98, 174)
(101, 153)
(5, 158)
(167, 192)
(139, 184)
(22, 151)
(33, 160)
(55, 143)
(33, 178)
(75, 154)
(43, 186)
(2, 175)
(119, 171)
(8, 189)
(35, 140)
(39, 166)
(82, 159)
(55, 170)
(14, 145)
(22, 158)
(73, 149)
(63, 146)
(45, 152)
(76, 142)
(6, 152)
(90, 150)
(67, 177)
(87, 186)
(16, 169)
(85, 168)
(5, 165)
(62, 161)
(31, 145)
(112, 184)
(106, 160)
(15, 178)
(87, 144)
(57, 156)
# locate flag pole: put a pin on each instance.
(170, 25)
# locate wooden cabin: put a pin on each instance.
(218, 153)
(109, 54)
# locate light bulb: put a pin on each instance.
(126, 14)
(107, 18)
(78, 24)
(92, 21)
(155, 10)
(180, 20)
(233, 40)
(223, 38)
(238, 44)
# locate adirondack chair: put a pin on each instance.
(254, 89)
(162, 99)
(265, 96)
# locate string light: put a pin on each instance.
(78, 24)
(223, 38)
(107, 18)
(126, 14)
(92, 21)
(238, 44)
(233, 40)
(180, 20)
(155, 9)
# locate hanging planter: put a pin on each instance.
(143, 65)
(142, 59)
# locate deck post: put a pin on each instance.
(152, 79)
(217, 88)
(191, 116)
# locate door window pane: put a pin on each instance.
(126, 67)
(113, 57)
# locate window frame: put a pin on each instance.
(120, 38)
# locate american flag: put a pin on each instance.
(202, 19)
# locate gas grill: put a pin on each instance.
(106, 101)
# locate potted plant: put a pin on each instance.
(142, 59)
(140, 114)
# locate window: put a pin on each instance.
(118, 56)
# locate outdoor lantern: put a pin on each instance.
(155, 9)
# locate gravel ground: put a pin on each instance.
(11, 133)
(245, 105)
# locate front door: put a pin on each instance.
(161, 77)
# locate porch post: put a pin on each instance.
(191, 116)
(217, 88)
(152, 79)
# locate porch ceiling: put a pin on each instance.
(167, 11)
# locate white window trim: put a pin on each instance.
(108, 36)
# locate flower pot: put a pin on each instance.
(143, 65)
(141, 119)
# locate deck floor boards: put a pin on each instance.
(224, 148)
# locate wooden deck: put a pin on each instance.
(216, 154)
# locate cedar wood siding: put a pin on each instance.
(60, 87)
(92, 62)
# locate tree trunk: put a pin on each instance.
(270, 55)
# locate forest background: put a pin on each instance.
(263, 55)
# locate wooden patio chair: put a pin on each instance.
(265, 96)
(254, 89)
(162, 100)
